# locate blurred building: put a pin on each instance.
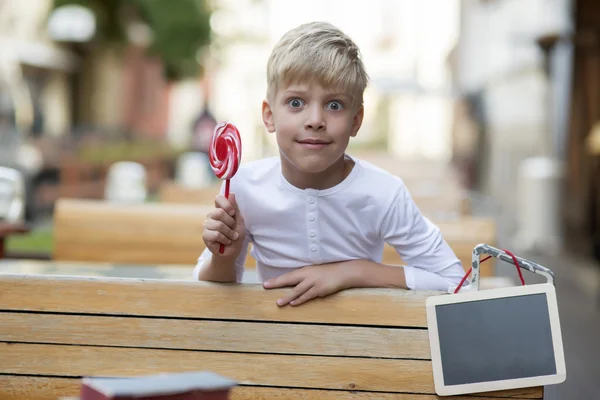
(582, 148)
(516, 97)
(65, 86)
(35, 82)
(59, 83)
(35, 73)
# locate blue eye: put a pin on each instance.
(295, 103)
(335, 105)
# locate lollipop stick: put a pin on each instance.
(227, 188)
(222, 247)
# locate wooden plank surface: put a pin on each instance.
(342, 373)
(468, 229)
(337, 373)
(172, 192)
(88, 230)
(44, 388)
(254, 337)
(162, 298)
(266, 393)
(149, 233)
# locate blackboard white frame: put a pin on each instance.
(436, 358)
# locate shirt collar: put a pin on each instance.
(325, 192)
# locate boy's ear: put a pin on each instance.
(357, 120)
(267, 115)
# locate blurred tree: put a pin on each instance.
(179, 28)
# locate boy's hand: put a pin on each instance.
(312, 281)
(225, 225)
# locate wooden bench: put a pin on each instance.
(7, 229)
(462, 235)
(88, 230)
(171, 192)
(357, 344)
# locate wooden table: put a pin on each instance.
(176, 272)
(360, 344)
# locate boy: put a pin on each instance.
(318, 218)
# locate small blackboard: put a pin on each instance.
(495, 339)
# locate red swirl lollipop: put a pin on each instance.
(225, 154)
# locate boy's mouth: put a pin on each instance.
(313, 143)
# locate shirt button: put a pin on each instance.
(311, 218)
(313, 248)
(313, 233)
(311, 200)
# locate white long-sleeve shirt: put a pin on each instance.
(291, 228)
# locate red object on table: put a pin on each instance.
(225, 154)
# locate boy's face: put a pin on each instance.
(313, 125)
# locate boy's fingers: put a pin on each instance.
(221, 215)
(218, 237)
(306, 296)
(289, 279)
(225, 204)
(234, 202)
(219, 226)
(296, 292)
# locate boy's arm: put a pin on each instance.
(325, 279)
(214, 268)
(431, 263)
(370, 274)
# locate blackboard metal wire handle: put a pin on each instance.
(502, 255)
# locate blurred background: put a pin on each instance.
(493, 102)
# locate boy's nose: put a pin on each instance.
(314, 120)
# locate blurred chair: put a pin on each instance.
(540, 182)
(126, 183)
(193, 171)
(12, 196)
(12, 204)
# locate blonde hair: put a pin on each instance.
(320, 53)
